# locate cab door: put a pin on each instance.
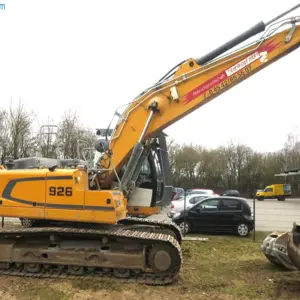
(269, 192)
(64, 191)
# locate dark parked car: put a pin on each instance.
(232, 193)
(217, 214)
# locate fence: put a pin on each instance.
(274, 215)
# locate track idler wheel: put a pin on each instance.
(163, 259)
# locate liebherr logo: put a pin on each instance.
(263, 56)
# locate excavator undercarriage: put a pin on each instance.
(145, 251)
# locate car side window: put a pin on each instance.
(269, 190)
(230, 205)
(209, 205)
(192, 200)
(195, 200)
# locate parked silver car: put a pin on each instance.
(191, 192)
(190, 200)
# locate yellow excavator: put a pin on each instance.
(86, 221)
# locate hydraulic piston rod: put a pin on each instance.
(146, 126)
(259, 27)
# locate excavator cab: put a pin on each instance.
(146, 179)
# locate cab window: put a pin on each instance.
(268, 190)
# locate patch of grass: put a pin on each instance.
(224, 267)
(34, 291)
(235, 267)
(96, 285)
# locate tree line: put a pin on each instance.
(20, 136)
(232, 166)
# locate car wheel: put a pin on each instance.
(281, 198)
(260, 198)
(170, 215)
(26, 223)
(242, 229)
(185, 227)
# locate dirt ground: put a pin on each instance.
(223, 268)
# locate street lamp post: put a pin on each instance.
(184, 212)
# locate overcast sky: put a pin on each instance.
(93, 56)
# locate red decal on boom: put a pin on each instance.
(219, 78)
(269, 46)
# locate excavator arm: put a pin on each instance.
(192, 84)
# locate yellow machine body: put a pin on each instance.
(61, 194)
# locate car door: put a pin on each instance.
(204, 215)
(230, 211)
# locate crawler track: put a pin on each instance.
(165, 225)
(55, 252)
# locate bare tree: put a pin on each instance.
(19, 133)
(70, 133)
(4, 142)
(230, 164)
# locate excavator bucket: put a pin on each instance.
(293, 245)
(275, 248)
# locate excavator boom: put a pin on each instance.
(196, 82)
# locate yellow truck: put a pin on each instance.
(275, 191)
